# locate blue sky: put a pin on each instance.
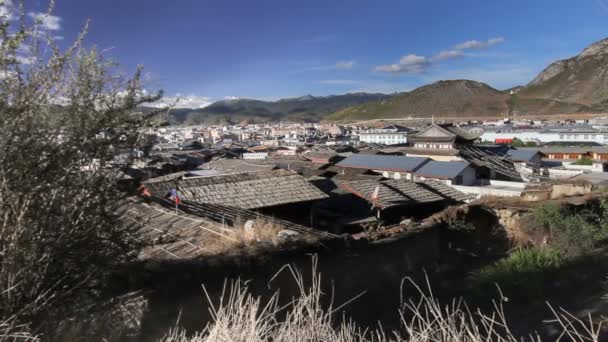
(207, 50)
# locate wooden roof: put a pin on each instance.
(172, 235)
(249, 190)
(437, 133)
(392, 193)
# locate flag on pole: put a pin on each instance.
(375, 193)
(174, 196)
(144, 191)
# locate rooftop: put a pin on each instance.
(172, 236)
(249, 190)
(443, 170)
(392, 193)
(385, 163)
(522, 155)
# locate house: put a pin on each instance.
(440, 143)
(321, 157)
(597, 153)
(396, 167)
(390, 135)
(451, 173)
(274, 192)
(443, 137)
(531, 156)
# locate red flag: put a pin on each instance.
(174, 196)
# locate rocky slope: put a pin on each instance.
(575, 85)
(581, 80)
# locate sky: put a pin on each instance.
(208, 50)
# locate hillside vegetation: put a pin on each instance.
(306, 108)
(575, 85)
(440, 99)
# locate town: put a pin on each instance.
(310, 177)
(274, 171)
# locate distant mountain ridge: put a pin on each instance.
(305, 108)
(574, 85)
(443, 98)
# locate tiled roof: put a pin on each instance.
(488, 157)
(431, 151)
(386, 163)
(446, 191)
(443, 170)
(248, 190)
(172, 236)
(522, 155)
(391, 193)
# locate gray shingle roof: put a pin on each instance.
(443, 170)
(522, 155)
(446, 191)
(172, 236)
(385, 163)
(243, 190)
(391, 193)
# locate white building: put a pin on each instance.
(391, 135)
(584, 135)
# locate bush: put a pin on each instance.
(64, 116)
(569, 230)
(521, 276)
(583, 161)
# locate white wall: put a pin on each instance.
(469, 176)
(255, 156)
(383, 138)
(545, 137)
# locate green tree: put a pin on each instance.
(64, 117)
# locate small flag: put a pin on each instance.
(144, 191)
(174, 197)
(376, 193)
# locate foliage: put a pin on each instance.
(64, 116)
(570, 230)
(520, 143)
(583, 161)
(461, 226)
(521, 276)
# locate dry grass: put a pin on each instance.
(10, 331)
(241, 317)
(240, 236)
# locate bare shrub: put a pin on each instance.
(64, 117)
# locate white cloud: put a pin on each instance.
(408, 64)
(339, 65)
(230, 98)
(183, 101)
(7, 10)
(345, 64)
(447, 54)
(414, 64)
(476, 44)
(46, 21)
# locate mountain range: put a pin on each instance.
(306, 108)
(574, 85)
